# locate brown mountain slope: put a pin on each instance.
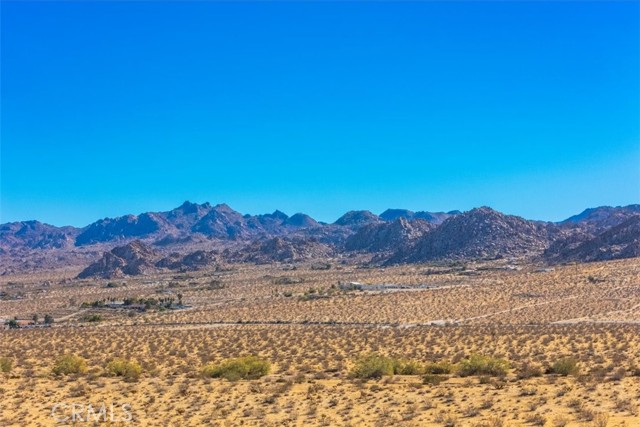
(621, 241)
(478, 233)
(132, 259)
(388, 235)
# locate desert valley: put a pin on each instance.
(204, 316)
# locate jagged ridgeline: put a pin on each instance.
(195, 236)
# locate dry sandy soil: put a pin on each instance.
(312, 332)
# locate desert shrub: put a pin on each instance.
(564, 367)
(407, 367)
(92, 318)
(432, 379)
(446, 419)
(528, 370)
(246, 368)
(438, 368)
(618, 374)
(478, 364)
(130, 370)
(560, 421)
(6, 364)
(69, 364)
(601, 420)
(373, 365)
(495, 421)
(536, 420)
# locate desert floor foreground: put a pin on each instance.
(312, 332)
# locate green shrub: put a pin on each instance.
(130, 370)
(564, 367)
(373, 365)
(478, 364)
(69, 364)
(407, 367)
(6, 364)
(438, 368)
(245, 368)
(92, 318)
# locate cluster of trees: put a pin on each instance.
(35, 320)
(149, 303)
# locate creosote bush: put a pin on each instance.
(407, 367)
(438, 368)
(130, 370)
(564, 367)
(6, 364)
(242, 368)
(69, 364)
(433, 379)
(528, 370)
(373, 365)
(478, 364)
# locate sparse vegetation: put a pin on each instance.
(69, 364)
(92, 318)
(314, 343)
(242, 368)
(478, 364)
(6, 364)
(565, 366)
(438, 368)
(130, 370)
(372, 366)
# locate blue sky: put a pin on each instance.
(111, 108)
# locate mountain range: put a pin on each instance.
(199, 235)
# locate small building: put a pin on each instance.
(357, 286)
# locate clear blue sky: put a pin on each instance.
(111, 108)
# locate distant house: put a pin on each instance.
(357, 286)
(25, 322)
(351, 286)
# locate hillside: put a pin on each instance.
(478, 233)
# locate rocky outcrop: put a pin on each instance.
(479, 233)
(357, 219)
(132, 259)
(35, 235)
(301, 220)
(222, 222)
(597, 220)
(124, 227)
(197, 260)
(432, 217)
(620, 241)
(280, 249)
(388, 236)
